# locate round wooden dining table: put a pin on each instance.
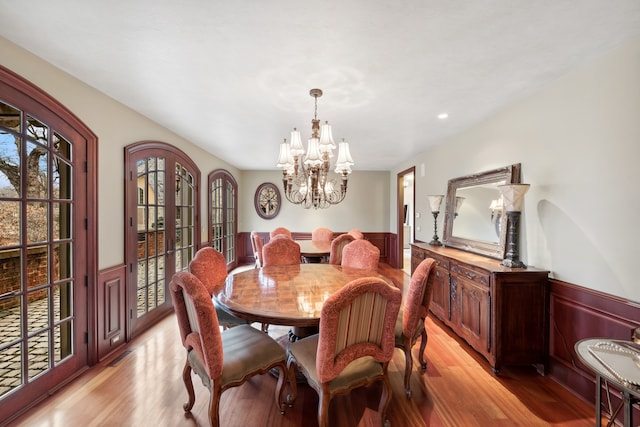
(286, 295)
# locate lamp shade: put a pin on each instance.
(285, 160)
(326, 139)
(435, 202)
(296, 143)
(344, 161)
(513, 196)
(313, 158)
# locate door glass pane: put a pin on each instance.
(160, 291)
(61, 146)
(10, 223)
(37, 222)
(37, 171)
(11, 377)
(37, 266)
(11, 321)
(61, 221)
(62, 341)
(62, 302)
(38, 354)
(38, 312)
(10, 175)
(62, 262)
(141, 296)
(37, 130)
(9, 118)
(61, 179)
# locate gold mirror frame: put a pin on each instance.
(509, 175)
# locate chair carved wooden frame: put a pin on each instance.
(221, 360)
(410, 323)
(354, 345)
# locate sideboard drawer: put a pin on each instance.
(477, 276)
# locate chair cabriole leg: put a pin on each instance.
(423, 346)
(186, 378)
(214, 404)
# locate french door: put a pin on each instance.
(47, 249)
(162, 227)
(223, 215)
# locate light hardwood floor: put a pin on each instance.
(142, 386)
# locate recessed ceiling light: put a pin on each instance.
(443, 116)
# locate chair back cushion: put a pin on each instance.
(357, 234)
(279, 230)
(337, 245)
(197, 321)
(281, 251)
(322, 233)
(416, 303)
(356, 321)
(210, 267)
(361, 254)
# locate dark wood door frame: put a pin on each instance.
(400, 209)
(173, 156)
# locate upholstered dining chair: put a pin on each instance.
(361, 254)
(280, 251)
(354, 344)
(410, 323)
(256, 245)
(337, 245)
(221, 359)
(357, 234)
(210, 267)
(279, 230)
(322, 233)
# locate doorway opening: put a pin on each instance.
(406, 207)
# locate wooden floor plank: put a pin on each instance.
(144, 388)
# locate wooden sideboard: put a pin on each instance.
(501, 312)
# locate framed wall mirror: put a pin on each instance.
(474, 220)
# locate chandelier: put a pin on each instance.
(305, 175)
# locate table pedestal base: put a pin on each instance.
(295, 333)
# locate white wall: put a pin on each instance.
(578, 141)
(365, 206)
(116, 127)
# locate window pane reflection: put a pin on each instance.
(38, 354)
(11, 378)
(37, 222)
(37, 171)
(62, 341)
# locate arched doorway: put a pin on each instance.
(162, 227)
(48, 161)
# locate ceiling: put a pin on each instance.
(234, 76)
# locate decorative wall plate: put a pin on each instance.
(267, 200)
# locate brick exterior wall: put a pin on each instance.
(37, 274)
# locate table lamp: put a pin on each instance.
(513, 197)
(434, 204)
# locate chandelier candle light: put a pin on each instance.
(434, 204)
(513, 197)
(305, 175)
